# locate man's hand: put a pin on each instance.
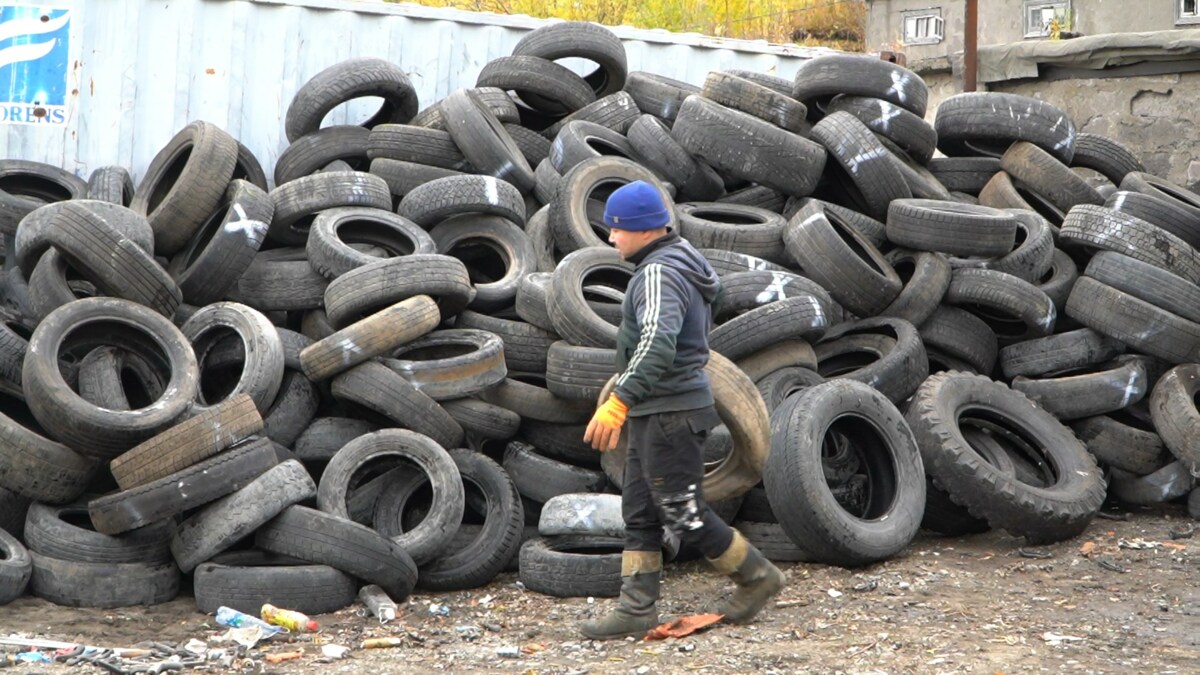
(605, 428)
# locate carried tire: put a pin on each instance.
(743, 411)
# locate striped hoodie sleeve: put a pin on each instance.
(660, 305)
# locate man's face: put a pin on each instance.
(628, 242)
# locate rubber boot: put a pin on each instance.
(757, 579)
(636, 612)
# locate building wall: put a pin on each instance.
(1002, 21)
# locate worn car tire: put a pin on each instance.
(193, 440)
(431, 536)
(796, 482)
(223, 523)
(188, 488)
(450, 363)
(1042, 514)
(184, 183)
(987, 123)
(102, 585)
(89, 428)
(337, 236)
(572, 566)
(749, 148)
(382, 394)
(347, 80)
(246, 580)
(327, 539)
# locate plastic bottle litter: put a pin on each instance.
(294, 621)
(378, 603)
(227, 616)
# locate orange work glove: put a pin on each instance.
(605, 427)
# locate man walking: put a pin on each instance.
(662, 348)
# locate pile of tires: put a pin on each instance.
(380, 370)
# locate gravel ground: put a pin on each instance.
(1121, 598)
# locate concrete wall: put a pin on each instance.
(1002, 21)
(1152, 115)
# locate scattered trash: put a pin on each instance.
(379, 603)
(296, 622)
(1137, 544)
(834, 593)
(782, 604)
(14, 640)
(1034, 553)
(247, 637)
(335, 651)
(508, 652)
(687, 647)
(469, 632)
(1087, 549)
(684, 625)
(1055, 639)
(868, 585)
(196, 646)
(280, 657)
(227, 616)
(1108, 564)
(33, 657)
(381, 643)
(438, 610)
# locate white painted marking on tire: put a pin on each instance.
(899, 79)
(491, 190)
(775, 289)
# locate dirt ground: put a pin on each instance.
(1123, 597)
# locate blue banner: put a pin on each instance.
(34, 57)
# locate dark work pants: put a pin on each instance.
(664, 473)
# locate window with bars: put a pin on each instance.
(1040, 13)
(924, 27)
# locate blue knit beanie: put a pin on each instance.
(637, 207)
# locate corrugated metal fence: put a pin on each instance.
(141, 69)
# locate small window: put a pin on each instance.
(924, 27)
(1187, 11)
(1039, 14)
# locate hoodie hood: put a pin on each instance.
(673, 251)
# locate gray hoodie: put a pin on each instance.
(662, 346)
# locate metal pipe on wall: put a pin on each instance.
(970, 45)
